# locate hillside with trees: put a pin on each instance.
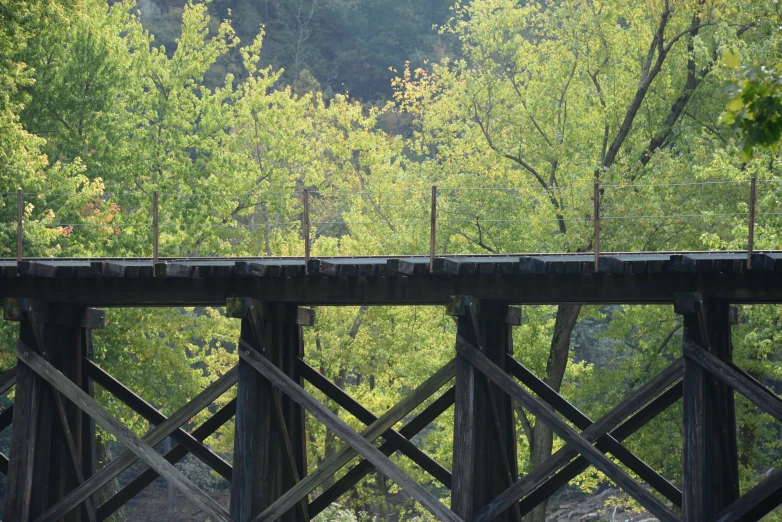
(231, 109)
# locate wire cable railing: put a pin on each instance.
(400, 220)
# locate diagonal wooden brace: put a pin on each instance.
(149, 412)
(757, 393)
(582, 422)
(542, 490)
(563, 456)
(395, 438)
(568, 434)
(123, 434)
(155, 436)
(358, 443)
(363, 468)
(176, 454)
(7, 380)
(756, 502)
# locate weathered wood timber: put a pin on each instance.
(52, 463)
(363, 468)
(145, 452)
(127, 458)
(358, 443)
(563, 456)
(537, 278)
(146, 478)
(580, 464)
(394, 438)
(149, 412)
(582, 422)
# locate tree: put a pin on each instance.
(553, 96)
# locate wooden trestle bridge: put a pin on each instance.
(51, 468)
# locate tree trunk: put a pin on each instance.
(111, 489)
(542, 436)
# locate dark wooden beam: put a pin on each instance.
(7, 380)
(582, 422)
(563, 456)
(394, 438)
(710, 475)
(484, 423)
(144, 451)
(564, 431)
(23, 438)
(363, 468)
(639, 419)
(177, 453)
(728, 375)
(127, 458)
(357, 443)
(149, 412)
(648, 288)
(755, 503)
(465, 416)
(269, 438)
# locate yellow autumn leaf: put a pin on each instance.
(730, 59)
(735, 104)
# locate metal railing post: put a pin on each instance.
(751, 224)
(597, 225)
(306, 224)
(19, 224)
(433, 228)
(155, 231)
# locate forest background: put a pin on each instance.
(230, 109)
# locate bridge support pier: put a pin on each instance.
(42, 459)
(484, 462)
(710, 456)
(270, 453)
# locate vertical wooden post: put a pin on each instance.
(155, 230)
(751, 224)
(262, 471)
(19, 224)
(24, 435)
(710, 479)
(484, 450)
(433, 228)
(42, 471)
(306, 219)
(597, 224)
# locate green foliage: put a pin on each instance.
(756, 108)
(545, 98)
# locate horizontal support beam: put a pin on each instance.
(752, 287)
(90, 318)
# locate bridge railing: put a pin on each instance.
(397, 220)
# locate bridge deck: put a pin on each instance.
(388, 280)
